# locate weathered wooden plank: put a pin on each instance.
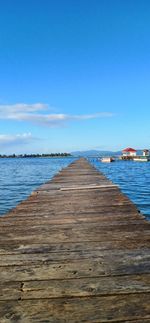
(73, 236)
(86, 287)
(74, 269)
(86, 309)
(63, 229)
(123, 211)
(128, 244)
(15, 223)
(122, 244)
(105, 257)
(74, 287)
(10, 291)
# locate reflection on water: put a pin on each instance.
(19, 177)
(133, 179)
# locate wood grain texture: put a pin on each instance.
(77, 250)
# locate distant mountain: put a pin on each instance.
(99, 153)
(95, 153)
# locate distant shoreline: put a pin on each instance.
(52, 155)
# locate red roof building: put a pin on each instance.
(129, 152)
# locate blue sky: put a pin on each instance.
(74, 75)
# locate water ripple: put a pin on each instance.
(19, 177)
(133, 178)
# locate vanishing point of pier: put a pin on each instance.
(77, 250)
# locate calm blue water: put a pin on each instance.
(19, 177)
(133, 179)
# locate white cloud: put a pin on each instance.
(39, 113)
(8, 139)
(8, 110)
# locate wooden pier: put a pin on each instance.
(77, 250)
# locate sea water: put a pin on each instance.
(132, 177)
(20, 176)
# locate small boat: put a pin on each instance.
(142, 159)
(107, 159)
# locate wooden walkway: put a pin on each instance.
(76, 250)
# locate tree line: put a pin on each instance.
(36, 155)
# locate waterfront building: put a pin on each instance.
(146, 152)
(129, 152)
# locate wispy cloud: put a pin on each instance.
(8, 110)
(8, 139)
(39, 113)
